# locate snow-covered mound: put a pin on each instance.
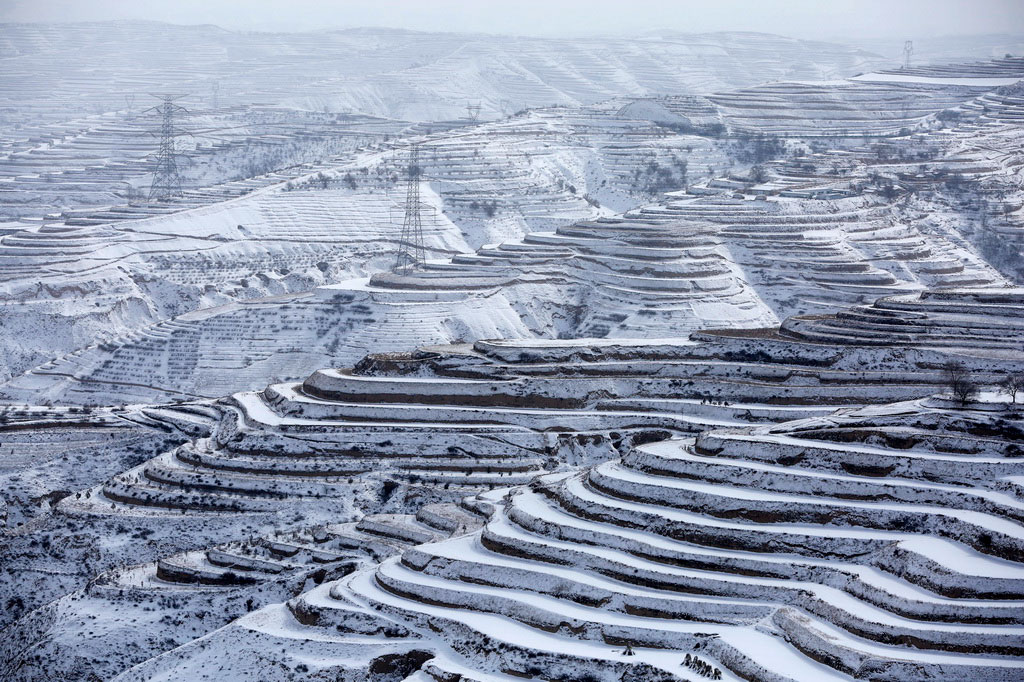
(883, 543)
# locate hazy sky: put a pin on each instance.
(801, 18)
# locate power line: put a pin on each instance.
(411, 251)
(166, 177)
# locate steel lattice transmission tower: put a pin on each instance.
(166, 177)
(411, 252)
(908, 50)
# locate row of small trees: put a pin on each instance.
(964, 387)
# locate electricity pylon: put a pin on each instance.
(908, 50)
(411, 252)
(166, 177)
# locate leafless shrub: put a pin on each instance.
(1013, 384)
(959, 381)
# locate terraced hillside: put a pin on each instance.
(98, 169)
(821, 222)
(938, 318)
(494, 413)
(854, 108)
(665, 270)
(310, 481)
(47, 454)
(875, 104)
(881, 543)
(830, 234)
(631, 418)
(1004, 71)
(314, 225)
(987, 136)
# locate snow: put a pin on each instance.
(491, 502)
(963, 559)
(890, 77)
(501, 628)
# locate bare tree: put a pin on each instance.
(959, 381)
(1013, 383)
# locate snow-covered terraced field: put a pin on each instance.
(447, 421)
(994, 72)
(883, 543)
(872, 105)
(665, 270)
(630, 418)
(839, 109)
(958, 319)
(495, 181)
(98, 169)
(821, 239)
(362, 464)
(323, 552)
